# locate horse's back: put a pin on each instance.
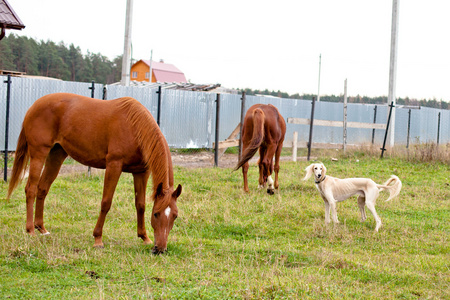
(81, 125)
(65, 104)
(275, 126)
(64, 113)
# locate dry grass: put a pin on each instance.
(423, 152)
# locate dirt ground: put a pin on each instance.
(195, 160)
(206, 159)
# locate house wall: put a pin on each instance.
(141, 68)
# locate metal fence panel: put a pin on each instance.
(188, 118)
(230, 114)
(24, 91)
(147, 96)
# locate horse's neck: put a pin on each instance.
(162, 170)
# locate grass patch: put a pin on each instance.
(227, 244)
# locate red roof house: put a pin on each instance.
(161, 72)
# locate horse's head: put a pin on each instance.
(164, 213)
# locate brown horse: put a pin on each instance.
(264, 129)
(117, 135)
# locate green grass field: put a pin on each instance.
(227, 244)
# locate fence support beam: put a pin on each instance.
(242, 122)
(8, 99)
(92, 88)
(105, 93)
(216, 148)
(387, 128)
(311, 127)
(439, 128)
(374, 122)
(409, 129)
(159, 92)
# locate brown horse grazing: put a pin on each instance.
(117, 135)
(264, 129)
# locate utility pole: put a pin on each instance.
(344, 144)
(150, 67)
(126, 59)
(393, 69)
(318, 89)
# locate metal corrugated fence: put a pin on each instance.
(187, 119)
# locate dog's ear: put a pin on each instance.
(309, 171)
(324, 170)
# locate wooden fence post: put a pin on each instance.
(294, 146)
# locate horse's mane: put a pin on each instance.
(152, 143)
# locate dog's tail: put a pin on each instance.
(257, 138)
(393, 184)
(20, 163)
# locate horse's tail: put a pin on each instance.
(394, 189)
(20, 163)
(257, 138)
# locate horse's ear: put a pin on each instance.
(177, 192)
(159, 189)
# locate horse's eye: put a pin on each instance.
(175, 216)
(156, 215)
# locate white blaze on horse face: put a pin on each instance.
(167, 211)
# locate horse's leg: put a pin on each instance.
(277, 163)
(140, 185)
(245, 144)
(37, 158)
(262, 172)
(244, 173)
(112, 175)
(268, 162)
(53, 163)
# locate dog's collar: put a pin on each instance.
(323, 178)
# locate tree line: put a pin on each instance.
(46, 58)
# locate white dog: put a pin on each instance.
(335, 190)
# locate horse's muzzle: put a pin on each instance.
(157, 251)
(270, 192)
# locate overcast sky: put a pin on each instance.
(264, 44)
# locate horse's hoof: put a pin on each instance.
(99, 246)
(45, 233)
(148, 242)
